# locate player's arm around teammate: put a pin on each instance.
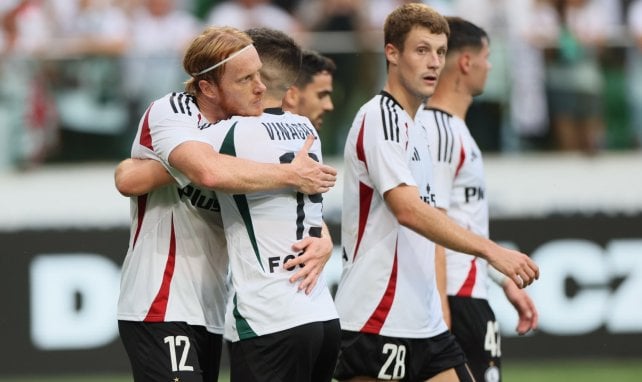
(209, 169)
(134, 177)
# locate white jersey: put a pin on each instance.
(176, 264)
(460, 188)
(261, 228)
(388, 282)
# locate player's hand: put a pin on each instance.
(313, 177)
(524, 306)
(316, 253)
(515, 265)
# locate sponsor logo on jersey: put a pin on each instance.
(429, 198)
(198, 199)
(472, 194)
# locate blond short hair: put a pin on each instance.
(213, 45)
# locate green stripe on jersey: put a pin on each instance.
(242, 326)
(228, 147)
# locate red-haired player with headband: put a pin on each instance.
(173, 285)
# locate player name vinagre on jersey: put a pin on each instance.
(287, 131)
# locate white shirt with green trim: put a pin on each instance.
(261, 228)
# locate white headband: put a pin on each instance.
(231, 56)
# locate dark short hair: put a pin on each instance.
(312, 64)
(464, 34)
(278, 52)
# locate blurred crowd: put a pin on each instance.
(76, 75)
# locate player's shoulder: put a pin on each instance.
(382, 102)
(175, 103)
(440, 122)
(289, 116)
(239, 128)
(431, 115)
(222, 127)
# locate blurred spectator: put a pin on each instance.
(528, 103)
(288, 5)
(25, 27)
(332, 15)
(160, 27)
(94, 28)
(634, 68)
(344, 36)
(245, 14)
(201, 8)
(488, 111)
(513, 108)
(27, 113)
(85, 71)
(160, 32)
(572, 33)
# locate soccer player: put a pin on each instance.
(311, 93)
(460, 190)
(173, 285)
(387, 299)
(276, 332)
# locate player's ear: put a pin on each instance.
(208, 89)
(291, 97)
(464, 61)
(392, 53)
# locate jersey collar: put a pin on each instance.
(274, 110)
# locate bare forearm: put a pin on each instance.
(236, 175)
(206, 168)
(429, 222)
(438, 227)
(135, 177)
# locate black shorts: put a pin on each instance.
(477, 332)
(403, 359)
(306, 353)
(167, 351)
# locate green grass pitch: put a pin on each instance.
(519, 371)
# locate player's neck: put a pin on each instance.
(211, 112)
(451, 98)
(271, 103)
(409, 102)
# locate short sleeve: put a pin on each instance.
(385, 152)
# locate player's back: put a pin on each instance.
(261, 227)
